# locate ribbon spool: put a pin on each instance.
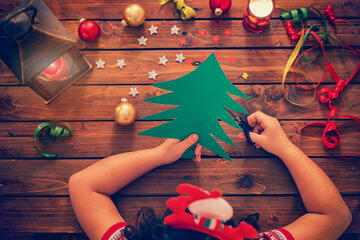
(51, 132)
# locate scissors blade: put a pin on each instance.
(234, 116)
(244, 124)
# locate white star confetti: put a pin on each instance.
(175, 30)
(153, 75)
(142, 41)
(133, 91)
(100, 63)
(163, 60)
(121, 63)
(153, 29)
(180, 58)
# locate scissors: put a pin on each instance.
(244, 124)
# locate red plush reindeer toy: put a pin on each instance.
(208, 213)
(220, 6)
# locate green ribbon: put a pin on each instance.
(51, 133)
(298, 15)
(311, 27)
(316, 11)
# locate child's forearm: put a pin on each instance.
(317, 191)
(110, 174)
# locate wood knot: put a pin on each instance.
(273, 219)
(6, 104)
(245, 181)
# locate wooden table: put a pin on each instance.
(34, 200)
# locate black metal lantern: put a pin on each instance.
(39, 50)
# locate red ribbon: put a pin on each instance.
(329, 13)
(331, 136)
(291, 31)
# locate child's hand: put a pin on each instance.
(172, 149)
(267, 134)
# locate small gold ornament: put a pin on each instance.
(134, 15)
(124, 113)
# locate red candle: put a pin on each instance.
(258, 14)
(56, 71)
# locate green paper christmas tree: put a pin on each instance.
(201, 98)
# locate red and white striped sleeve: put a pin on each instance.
(276, 234)
(115, 232)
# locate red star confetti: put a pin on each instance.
(188, 61)
(182, 42)
(232, 59)
(202, 33)
(218, 56)
(216, 39)
(245, 76)
(227, 32)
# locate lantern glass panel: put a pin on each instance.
(59, 75)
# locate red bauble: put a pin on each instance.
(89, 31)
(219, 6)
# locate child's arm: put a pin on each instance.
(90, 188)
(328, 216)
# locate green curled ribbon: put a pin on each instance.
(298, 15)
(51, 132)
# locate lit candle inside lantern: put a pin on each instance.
(257, 15)
(56, 71)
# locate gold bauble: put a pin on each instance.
(124, 113)
(134, 15)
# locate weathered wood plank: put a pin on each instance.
(262, 66)
(98, 102)
(115, 36)
(101, 139)
(112, 9)
(55, 214)
(242, 176)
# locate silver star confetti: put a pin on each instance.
(133, 91)
(142, 41)
(163, 60)
(175, 30)
(180, 58)
(121, 63)
(153, 75)
(153, 29)
(100, 63)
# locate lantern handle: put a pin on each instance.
(15, 13)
